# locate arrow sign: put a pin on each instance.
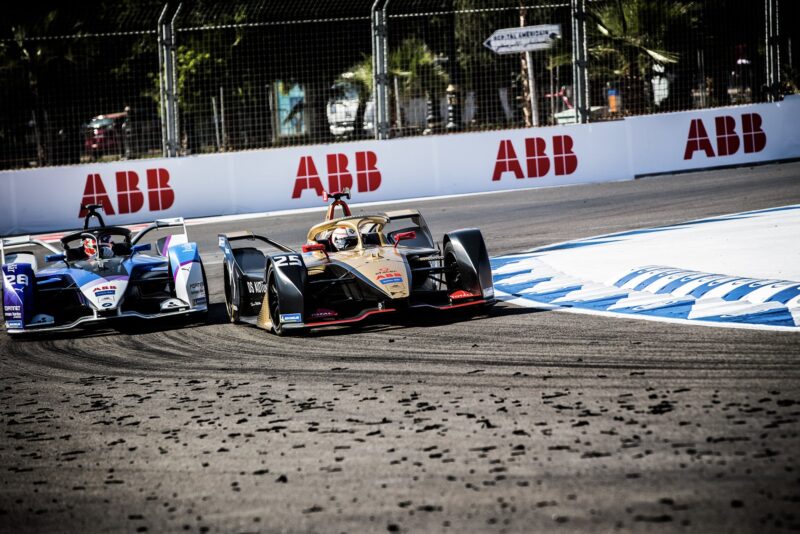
(524, 39)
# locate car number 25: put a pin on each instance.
(290, 260)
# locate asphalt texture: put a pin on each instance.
(515, 421)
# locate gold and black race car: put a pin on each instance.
(351, 268)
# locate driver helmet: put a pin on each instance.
(344, 238)
(106, 247)
(90, 247)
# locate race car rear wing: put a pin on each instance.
(225, 239)
(15, 243)
(160, 224)
(424, 236)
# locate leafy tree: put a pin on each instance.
(630, 37)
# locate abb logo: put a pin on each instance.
(339, 176)
(728, 141)
(537, 162)
(130, 198)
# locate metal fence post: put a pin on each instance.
(168, 83)
(380, 75)
(772, 42)
(162, 87)
(579, 60)
(174, 87)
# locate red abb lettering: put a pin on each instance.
(698, 140)
(338, 175)
(506, 161)
(565, 158)
(368, 175)
(95, 193)
(307, 178)
(728, 141)
(159, 194)
(754, 137)
(727, 138)
(130, 198)
(538, 162)
(536, 158)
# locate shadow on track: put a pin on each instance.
(421, 319)
(216, 315)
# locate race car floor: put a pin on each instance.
(518, 421)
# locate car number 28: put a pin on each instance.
(290, 260)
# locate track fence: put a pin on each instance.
(150, 80)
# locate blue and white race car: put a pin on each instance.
(101, 273)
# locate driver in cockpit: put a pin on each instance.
(101, 247)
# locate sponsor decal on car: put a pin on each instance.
(196, 288)
(15, 325)
(461, 294)
(324, 313)
(256, 287)
(390, 277)
(291, 318)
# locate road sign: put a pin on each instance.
(524, 39)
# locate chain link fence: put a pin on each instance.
(145, 79)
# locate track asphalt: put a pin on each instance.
(518, 421)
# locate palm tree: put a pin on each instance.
(629, 38)
(420, 73)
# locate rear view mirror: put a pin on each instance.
(140, 248)
(404, 236)
(314, 247)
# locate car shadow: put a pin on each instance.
(132, 326)
(424, 318)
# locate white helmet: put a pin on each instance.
(344, 238)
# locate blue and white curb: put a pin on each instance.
(565, 276)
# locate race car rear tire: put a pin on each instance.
(233, 313)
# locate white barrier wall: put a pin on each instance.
(134, 191)
(715, 137)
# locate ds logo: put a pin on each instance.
(18, 279)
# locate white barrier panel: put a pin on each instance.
(49, 199)
(715, 137)
(135, 191)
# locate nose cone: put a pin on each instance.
(105, 294)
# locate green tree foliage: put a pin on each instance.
(630, 37)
